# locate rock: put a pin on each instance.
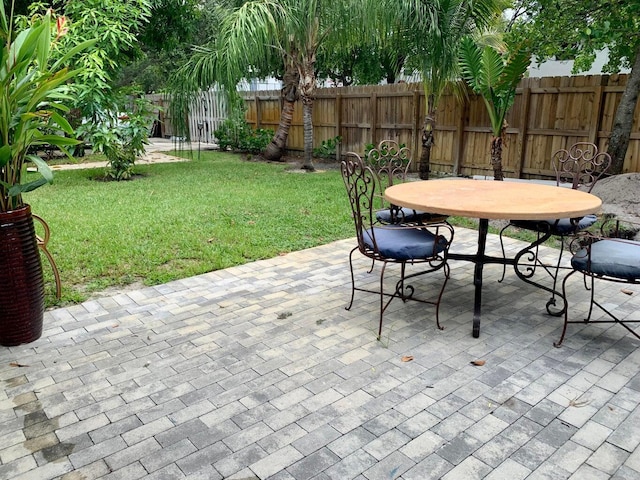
(620, 195)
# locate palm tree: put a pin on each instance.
(260, 34)
(494, 76)
(433, 30)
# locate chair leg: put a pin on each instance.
(447, 272)
(566, 309)
(552, 300)
(591, 297)
(54, 267)
(353, 279)
(42, 244)
(383, 307)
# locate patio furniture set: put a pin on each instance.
(405, 222)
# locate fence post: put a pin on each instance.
(258, 111)
(524, 125)
(596, 112)
(374, 116)
(459, 144)
(338, 110)
(417, 125)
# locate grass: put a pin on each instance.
(176, 220)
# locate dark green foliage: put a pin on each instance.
(123, 141)
(328, 147)
(239, 136)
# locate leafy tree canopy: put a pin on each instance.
(579, 29)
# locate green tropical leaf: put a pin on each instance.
(44, 42)
(5, 155)
(19, 189)
(3, 20)
(43, 168)
(62, 122)
(54, 140)
(72, 52)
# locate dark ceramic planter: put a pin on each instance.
(21, 281)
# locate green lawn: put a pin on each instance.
(176, 220)
(181, 219)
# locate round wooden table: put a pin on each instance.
(491, 200)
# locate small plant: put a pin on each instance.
(328, 147)
(239, 136)
(122, 140)
(34, 88)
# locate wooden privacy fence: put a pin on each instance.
(549, 113)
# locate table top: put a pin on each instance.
(493, 200)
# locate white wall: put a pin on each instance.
(562, 68)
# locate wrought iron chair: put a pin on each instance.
(578, 167)
(390, 162)
(611, 256)
(392, 243)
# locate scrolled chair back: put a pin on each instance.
(389, 161)
(361, 184)
(581, 165)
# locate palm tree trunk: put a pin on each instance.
(623, 120)
(307, 87)
(496, 158)
(289, 95)
(427, 138)
(307, 116)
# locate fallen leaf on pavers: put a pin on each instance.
(407, 358)
(320, 321)
(16, 364)
(284, 315)
(627, 292)
(576, 402)
(478, 363)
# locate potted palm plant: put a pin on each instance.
(34, 84)
(495, 76)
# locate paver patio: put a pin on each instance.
(258, 371)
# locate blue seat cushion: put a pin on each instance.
(562, 226)
(613, 258)
(405, 215)
(402, 243)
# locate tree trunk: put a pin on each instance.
(623, 121)
(307, 88)
(307, 119)
(496, 158)
(289, 95)
(427, 138)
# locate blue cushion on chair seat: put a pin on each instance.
(562, 227)
(402, 243)
(614, 258)
(406, 215)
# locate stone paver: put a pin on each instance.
(259, 372)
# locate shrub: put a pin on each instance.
(328, 147)
(122, 141)
(239, 136)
